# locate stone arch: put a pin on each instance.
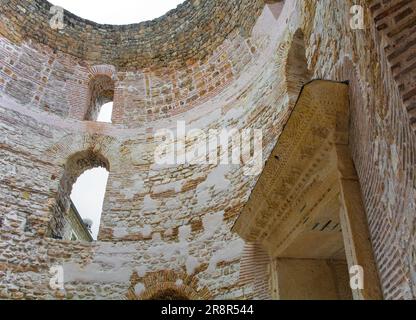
(166, 285)
(169, 291)
(104, 70)
(169, 294)
(296, 70)
(70, 144)
(75, 166)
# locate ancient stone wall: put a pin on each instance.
(173, 218)
(175, 221)
(183, 36)
(57, 80)
(396, 25)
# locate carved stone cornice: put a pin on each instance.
(302, 155)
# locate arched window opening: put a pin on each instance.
(77, 211)
(88, 196)
(101, 92)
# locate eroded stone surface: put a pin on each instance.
(173, 223)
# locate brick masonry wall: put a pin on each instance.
(396, 25)
(60, 84)
(178, 219)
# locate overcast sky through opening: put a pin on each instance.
(88, 195)
(118, 12)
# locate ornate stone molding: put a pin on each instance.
(319, 120)
(307, 204)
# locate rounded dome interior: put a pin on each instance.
(189, 33)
